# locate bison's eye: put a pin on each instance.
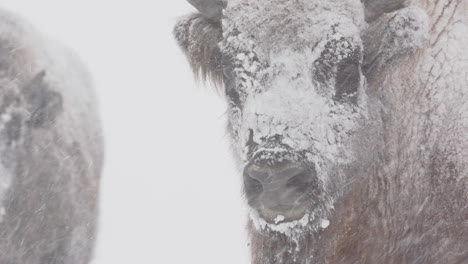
(348, 78)
(230, 87)
(348, 81)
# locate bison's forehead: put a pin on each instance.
(278, 24)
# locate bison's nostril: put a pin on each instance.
(253, 188)
(300, 180)
(253, 185)
(258, 173)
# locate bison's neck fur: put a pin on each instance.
(410, 205)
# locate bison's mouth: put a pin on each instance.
(286, 215)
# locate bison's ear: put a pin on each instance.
(375, 8)
(391, 36)
(198, 37)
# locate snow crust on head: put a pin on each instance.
(281, 96)
(282, 23)
(272, 70)
(274, 51)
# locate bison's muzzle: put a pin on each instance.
(279, 188)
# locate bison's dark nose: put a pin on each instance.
(277, 187)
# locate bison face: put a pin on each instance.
(296, 98)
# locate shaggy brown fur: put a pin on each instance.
(50, 150)
(198, 38)
(409, 204)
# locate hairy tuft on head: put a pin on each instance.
(375, 8)
(199, 37)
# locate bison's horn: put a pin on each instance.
(211, 9)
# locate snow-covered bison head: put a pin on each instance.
(348, 120)
(296, 93)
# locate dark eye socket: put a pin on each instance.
(233, 96)
(230, 86)
(348, 78)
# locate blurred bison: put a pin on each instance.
(50, 150)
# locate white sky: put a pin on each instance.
(169, 192)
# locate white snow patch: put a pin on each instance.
(5, 117)
(286, 228)
(5, 182)
(2, 213)
(279, 218)
(324, 223)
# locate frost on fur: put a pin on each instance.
(348, 124)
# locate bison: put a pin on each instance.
(51, 150)
(349, 124)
